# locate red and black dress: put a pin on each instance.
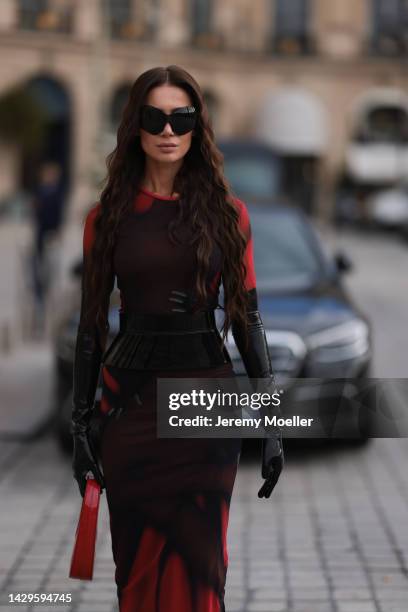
(168, 499)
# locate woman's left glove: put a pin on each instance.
(257, 362)
(84, 462)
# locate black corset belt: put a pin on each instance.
(170, 341)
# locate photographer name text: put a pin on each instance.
(252, 422)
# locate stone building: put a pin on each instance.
(296, 73)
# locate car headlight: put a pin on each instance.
(345, 341)
(287, 349)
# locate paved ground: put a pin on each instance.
(332, 538)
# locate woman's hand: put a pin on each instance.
(272, 464)
(84, 461)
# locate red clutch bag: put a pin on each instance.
(83, 555)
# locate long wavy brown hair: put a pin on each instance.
(205, 201)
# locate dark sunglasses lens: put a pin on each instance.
(183, 122)
(152, 120)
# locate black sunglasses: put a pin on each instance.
(182, 120)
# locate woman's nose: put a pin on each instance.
(167, 128)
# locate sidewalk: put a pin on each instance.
(26, 383)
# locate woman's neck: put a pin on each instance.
(159, 180)
(159, 190)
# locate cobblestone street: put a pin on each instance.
(332, 537)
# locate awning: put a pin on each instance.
(293, 121)
(378, 97)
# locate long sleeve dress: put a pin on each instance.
(168, 499)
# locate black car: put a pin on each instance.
(302, 299)
(313, 328)
(320, 341)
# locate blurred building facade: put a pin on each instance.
(294, 73)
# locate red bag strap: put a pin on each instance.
(83, 554)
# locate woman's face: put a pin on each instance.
(167, 98)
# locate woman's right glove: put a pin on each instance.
(257, 362)
(85, 379)
(272, 463)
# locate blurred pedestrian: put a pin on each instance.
(47, 207)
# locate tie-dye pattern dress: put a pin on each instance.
(168, 499)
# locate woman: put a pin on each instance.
(168, 229)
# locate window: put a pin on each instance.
(52, 15)
(119, 16)
(390, 27)
(132, 19)
(202, 31)
(201, 17)
(291, 36)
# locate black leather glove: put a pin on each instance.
(272, 462)
(257, 362)
(85, 379)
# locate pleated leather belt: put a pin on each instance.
(168, 323)
(172, 341)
